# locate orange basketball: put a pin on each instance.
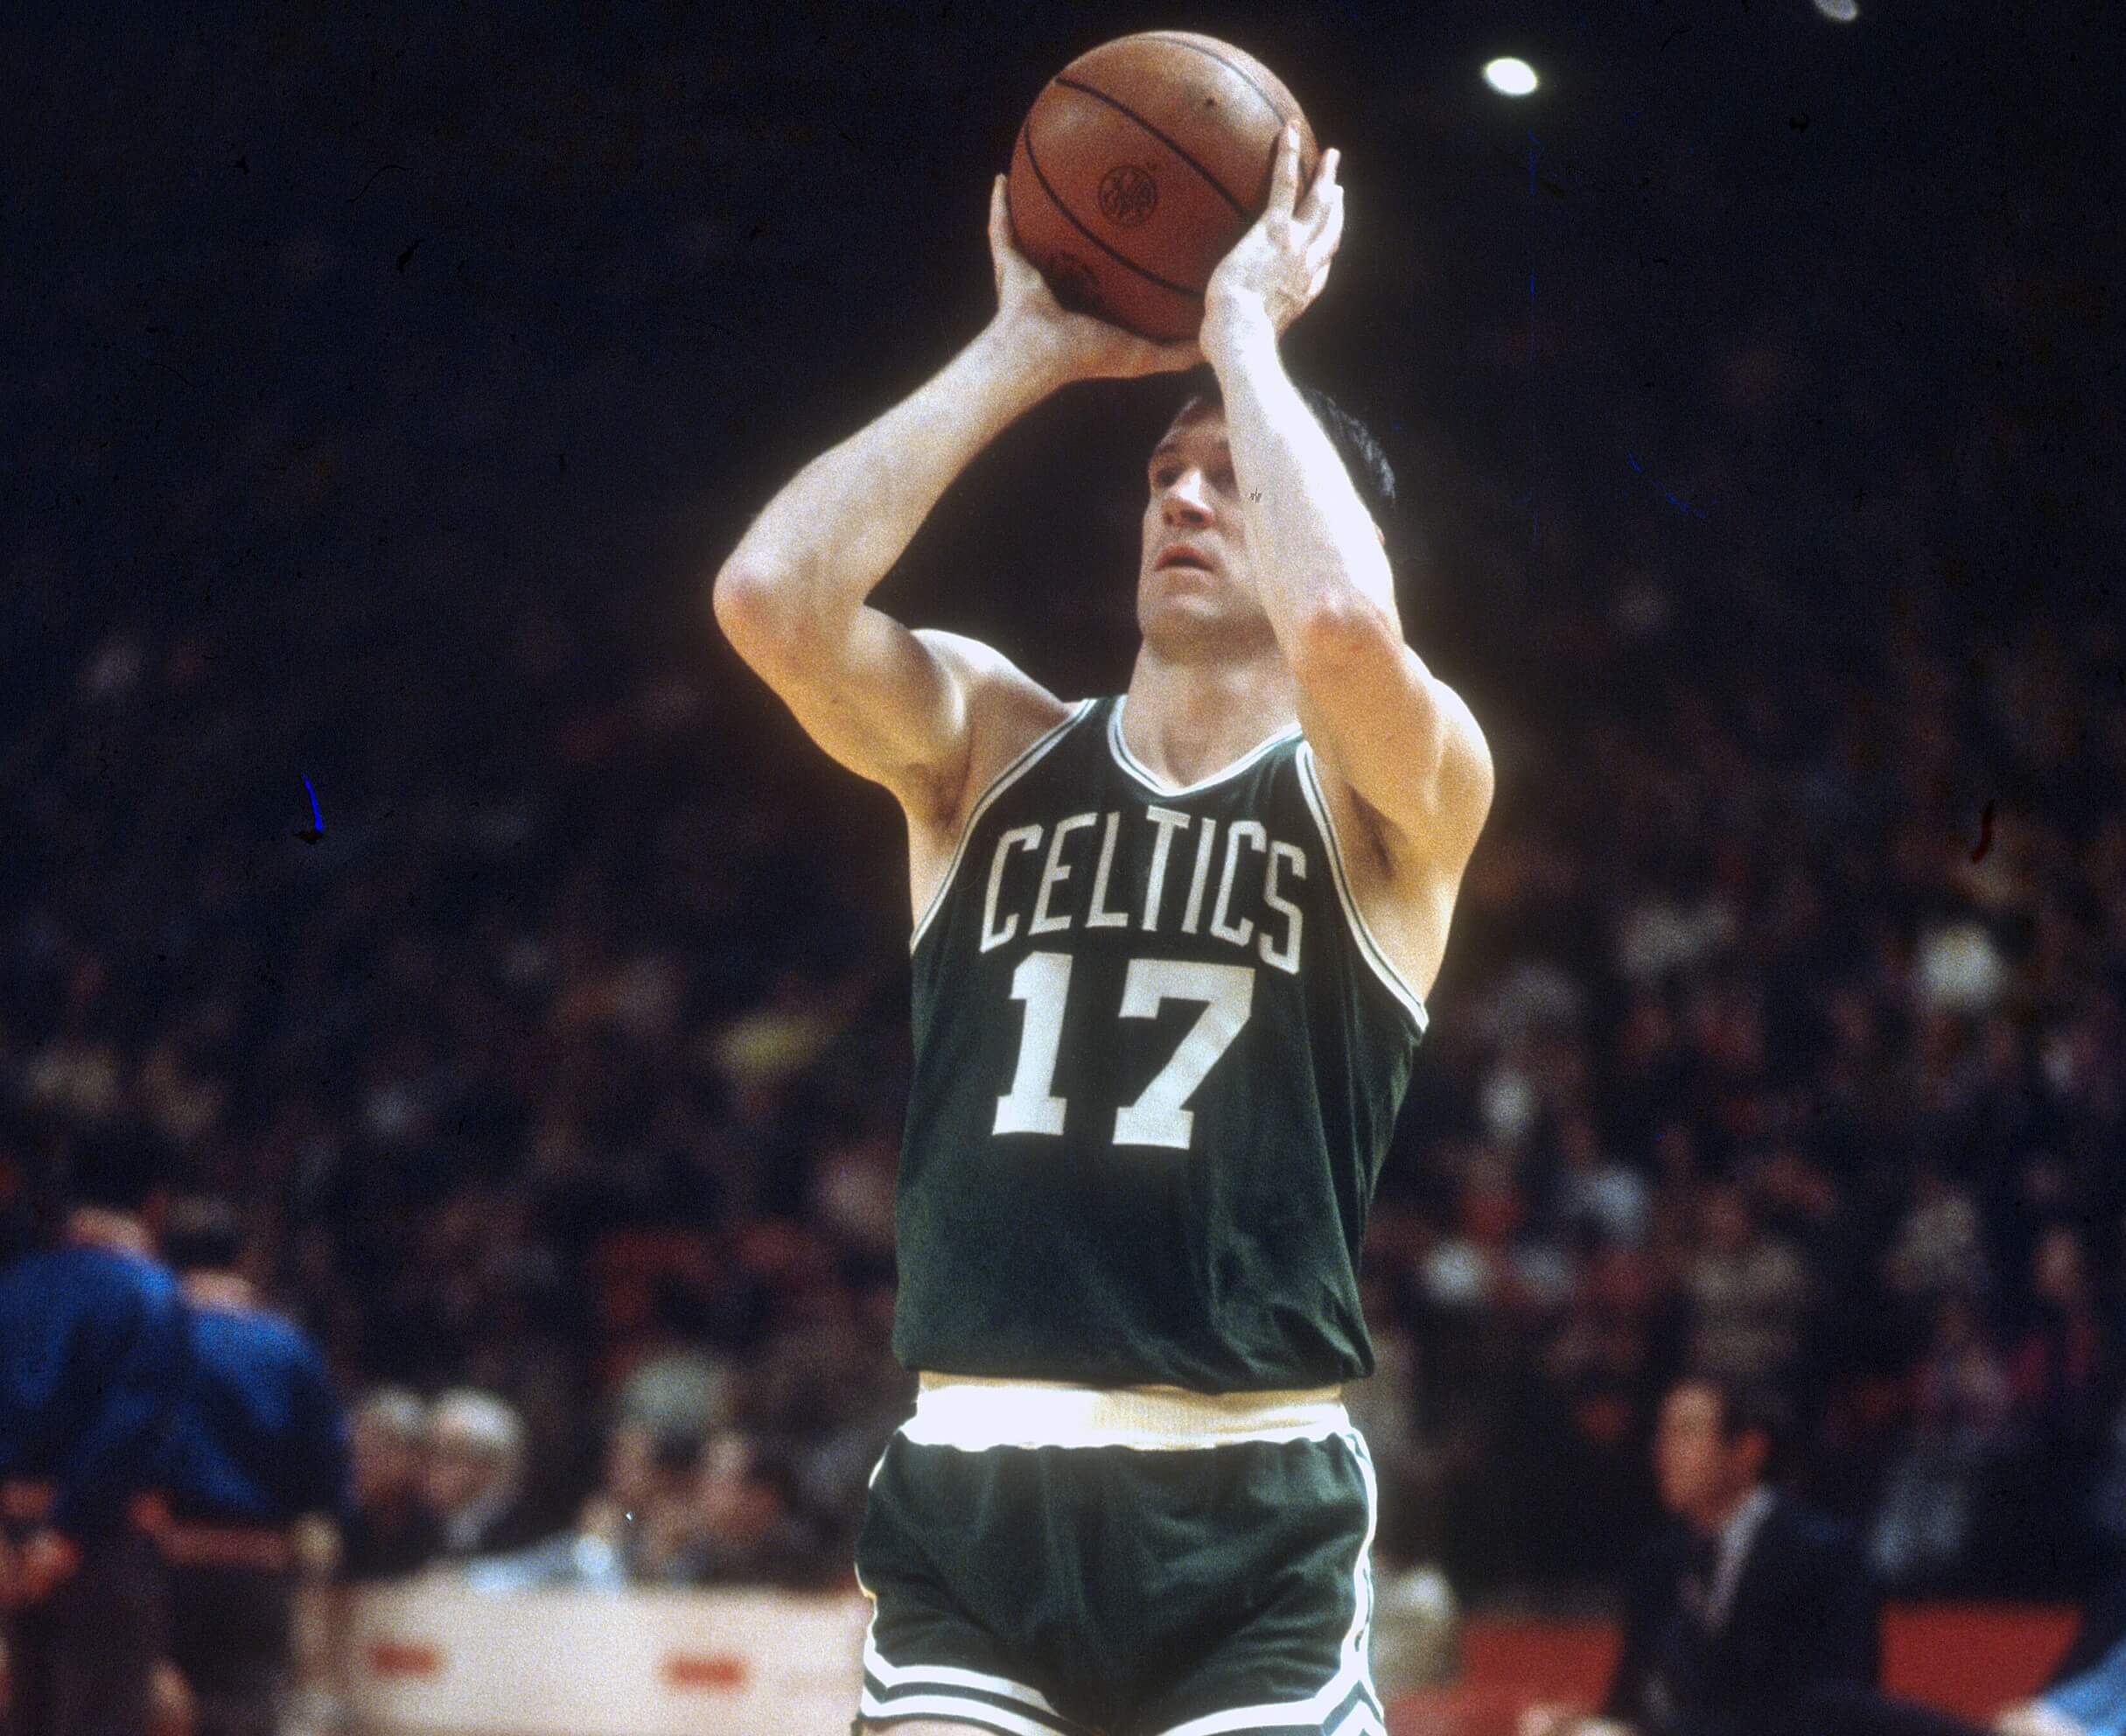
(1139, 165)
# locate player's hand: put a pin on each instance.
(1066, 346)
(1275, 269)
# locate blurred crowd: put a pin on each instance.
(686, 1497)
(559, 1052)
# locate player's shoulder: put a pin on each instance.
(985, 666)
(1007, 710)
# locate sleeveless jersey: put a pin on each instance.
(1157, 1063)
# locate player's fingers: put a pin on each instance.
(1320, 190)
(1332, 228)
(1324, 184)
(1000, 247)
(1284, 173)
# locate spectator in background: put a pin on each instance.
(1604, 1386)
(1938, 1247)
(1749, 1293)
(2058, 1376)
(258, 1441)
(472, 1472)
(92, 1359)
(1593, 1189)
(1749, 1606)
(631, 1530)
(391, 1530)
(1960, 1406)
(2108, 1497)
(749, 1526)
(643, 1514)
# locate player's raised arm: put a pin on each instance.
(894, 705)
(1376, 718)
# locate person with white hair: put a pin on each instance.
(391, 1532)
(473, 1473)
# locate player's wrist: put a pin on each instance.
(1237, 329)
(1027, 354)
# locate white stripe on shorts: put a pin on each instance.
(950, 1706)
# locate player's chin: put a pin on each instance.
(1189, 603)
(1186, 584)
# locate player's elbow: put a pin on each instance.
(1339, 638)
(752, 608)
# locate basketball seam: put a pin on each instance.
(1025, 137)
(1239, 73)
(1217, 185)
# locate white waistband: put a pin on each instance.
(965, 1411)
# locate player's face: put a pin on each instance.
(1195, 561)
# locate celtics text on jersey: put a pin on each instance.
(1157, 1062)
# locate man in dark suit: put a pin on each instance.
(1752, 1615)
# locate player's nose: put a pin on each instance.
(1187, 500)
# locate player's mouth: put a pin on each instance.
(1180, 554)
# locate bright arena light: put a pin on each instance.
(1516, 78)
(1844, 11)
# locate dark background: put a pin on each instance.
(383, 386)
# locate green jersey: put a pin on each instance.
(1157, 1063)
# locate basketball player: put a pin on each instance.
(1170, 953)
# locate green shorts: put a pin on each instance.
(1149, 1589)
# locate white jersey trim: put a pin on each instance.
(1138, 770)
(998, 785)
(1310, 785)
(976, 1414)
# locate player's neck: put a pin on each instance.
(1186, 721)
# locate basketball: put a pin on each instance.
(1138, 167)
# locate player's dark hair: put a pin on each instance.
(1371, 473)
(118, 1166)
(203, 1236)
